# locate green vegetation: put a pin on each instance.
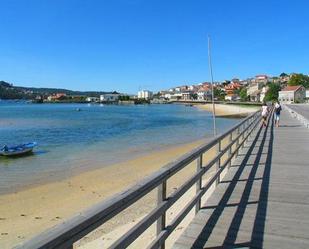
(71, 99)
(299, 79)
(141, 101)
(219, 94)
(243, 94)
(9, 91)
(124, 98)
(273, 92)
(283, 75)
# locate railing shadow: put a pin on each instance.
(257, 232)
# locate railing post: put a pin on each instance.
(199, 181)
(218, 164)
(230, 149)
(161, 222)
(243, 134)
(237, 142)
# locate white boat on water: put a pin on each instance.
(17, 150)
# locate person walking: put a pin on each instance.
(264, 113)
(277, 113)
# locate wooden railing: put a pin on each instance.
(227, 146)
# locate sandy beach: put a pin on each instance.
(26, 213)
(229, 111)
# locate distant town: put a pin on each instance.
(287, 88)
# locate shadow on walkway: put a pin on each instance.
(263, 142)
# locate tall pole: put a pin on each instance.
(212, 89)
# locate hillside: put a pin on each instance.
(9, 91)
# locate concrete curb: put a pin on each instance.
(298, 116)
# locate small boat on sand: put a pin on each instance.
(17, 150)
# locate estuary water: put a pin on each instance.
(71, 141)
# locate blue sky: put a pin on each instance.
(125, 45)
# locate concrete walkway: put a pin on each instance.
(302, 109)
(263, 201)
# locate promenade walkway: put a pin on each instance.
(263, 201)
(302, 109)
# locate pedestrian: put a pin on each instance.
(264, 113)
(277, 113)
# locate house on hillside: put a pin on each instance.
(263, 93)
(254, 92)
(56, 96)
(186, 95)
(204, 93)
(181, 88)
(262, 78)
(109, 97)
(92, 99)
(192, 88)
(244, 82)
(292, 94)
(235, 80)
(284, 78)
(231, 97)
(231, 88)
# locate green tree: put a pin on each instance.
(194, 96)
(299, 79)
(219, 94)
(124, 98)
(243, 94)
(283, 75)
(273, 92)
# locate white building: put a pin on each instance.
(177, 89)
(231, 97)
(204, 93)
(109, 97)
(192, 88)
(186, 95)
(263, 93)
(92, 99)
(261, 78)
(292, 94)
(144, 94)
(175, 96)
(254, 91)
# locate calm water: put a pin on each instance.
(71, 141)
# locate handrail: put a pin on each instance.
(66, 234)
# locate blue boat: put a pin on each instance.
(17, 150)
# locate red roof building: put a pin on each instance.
(291, 88)
(293, 94)
(230, 88)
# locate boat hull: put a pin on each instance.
(18, 150)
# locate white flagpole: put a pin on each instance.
(212, 89)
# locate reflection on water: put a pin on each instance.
(70, 142)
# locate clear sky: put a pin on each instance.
(125, 45)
